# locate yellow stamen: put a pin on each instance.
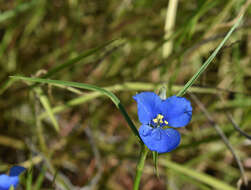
(159, 119)
(160, 116)
(155, 120)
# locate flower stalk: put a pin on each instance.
(140, 166)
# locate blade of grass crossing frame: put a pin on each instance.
(112, 96)
(115, 100)
(76, 59)
(120, 87)
(209, 60)
(14, 12)
(29, 180)
(62, 66)
(46, 104)
(5, 85)
(202, 177)
(40, 178)
(53, 183)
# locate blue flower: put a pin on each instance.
(156, 115)
(6, 181)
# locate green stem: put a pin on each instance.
(129, 121)
(140, 166)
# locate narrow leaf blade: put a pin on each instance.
(209, 60)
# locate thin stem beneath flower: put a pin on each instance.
(140, 166)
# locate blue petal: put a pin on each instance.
(146, 131)
(16, 170)
(148, 106)
(7, 181)
(177, 111)
(158, 139)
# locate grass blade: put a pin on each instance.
(5, 85)
(209, 60)
(62, 66)
(209, 180)
(128, 86)
(76, 59)
(29, 180)
(14, 12)
(46, 104)
(40, 178)
(112, 96)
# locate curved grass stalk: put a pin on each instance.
(112, 96)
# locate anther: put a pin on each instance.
(158, 119)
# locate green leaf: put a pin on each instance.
(155, 160)
(128, 86)
(62, 66)
(209, 60)
(29, 180)
(76, 59)
(40, 178)
(5, 85)
(209, 180)
(14, 12)
(46, 104)
(112, 96)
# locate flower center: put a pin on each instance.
(159, 120)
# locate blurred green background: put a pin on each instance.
(122, 46)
